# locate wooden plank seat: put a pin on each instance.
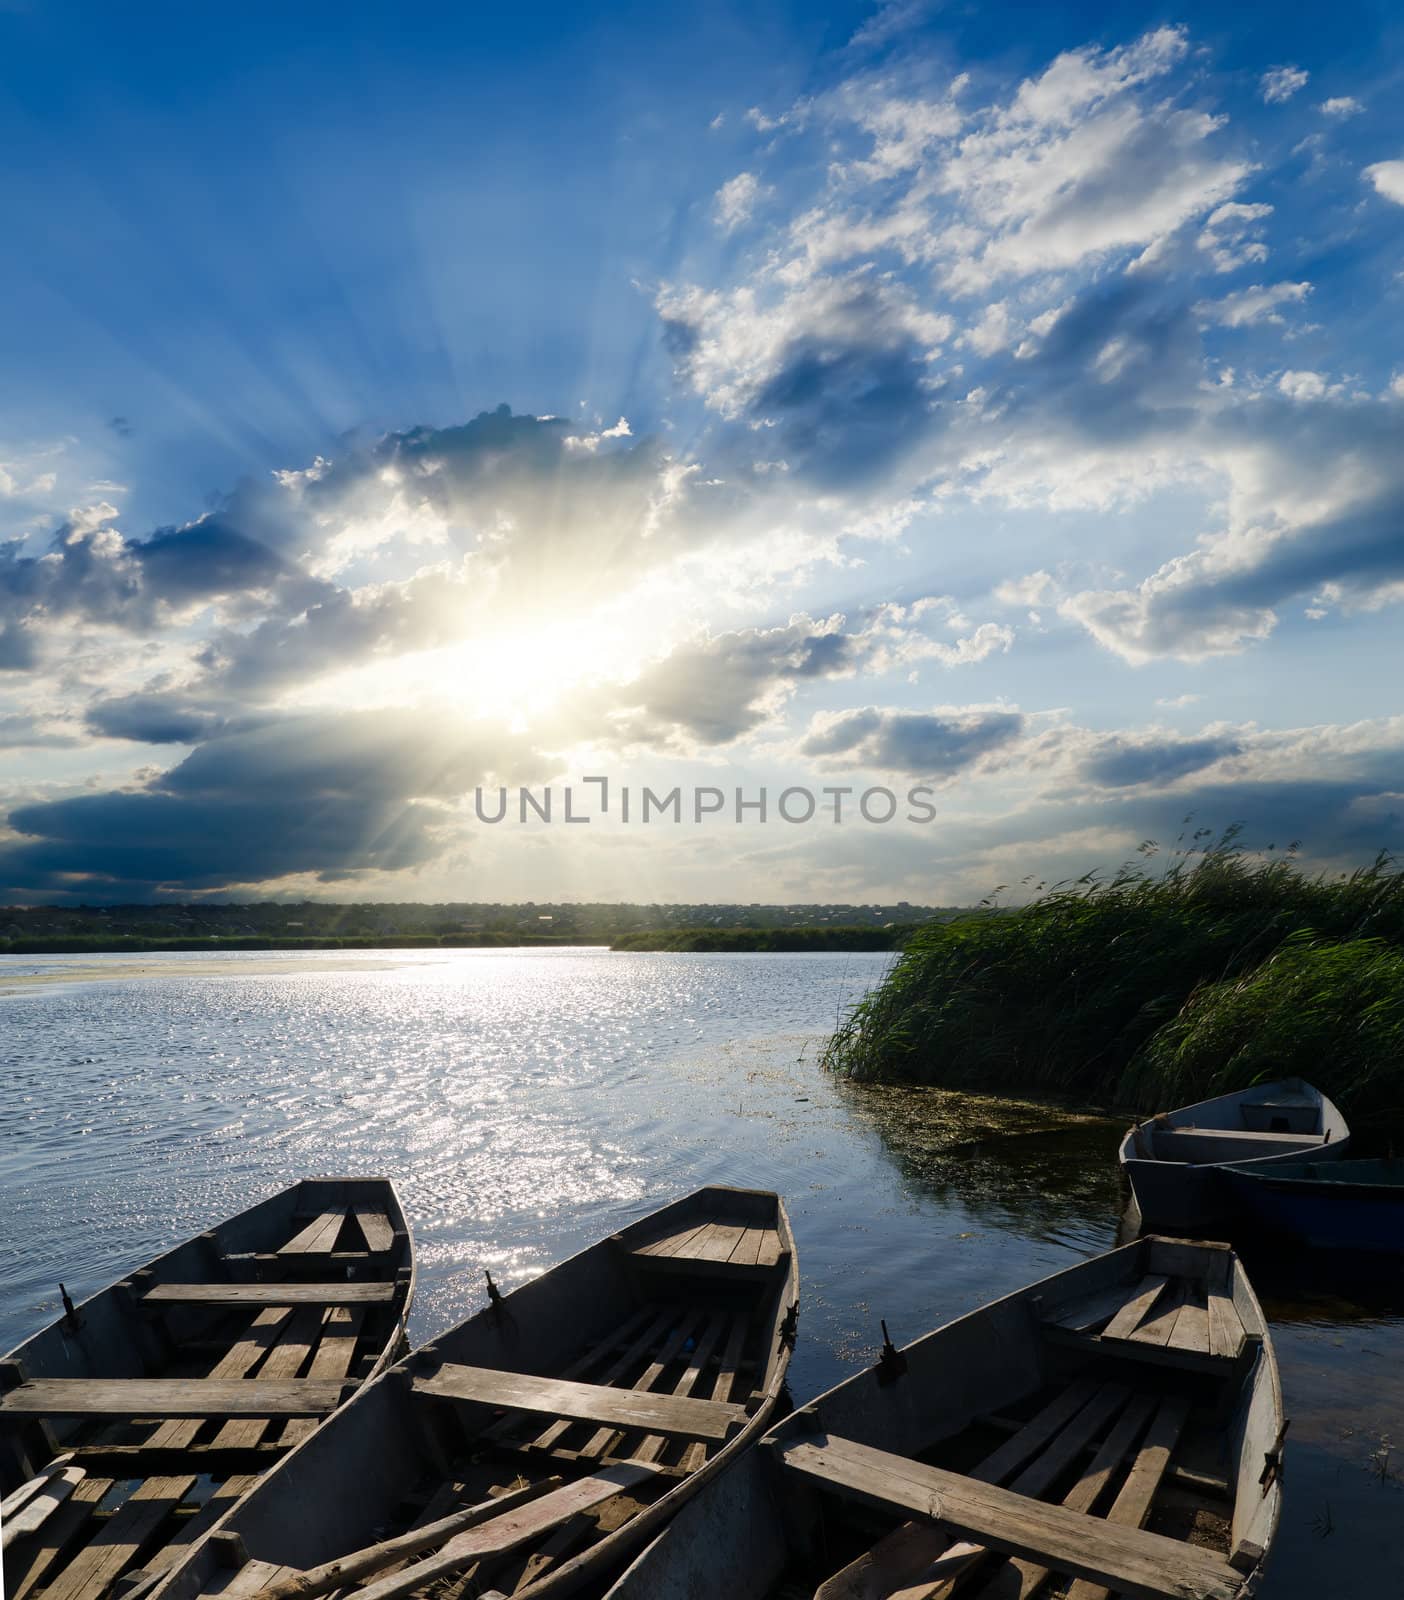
(1123, 1558)
(920, 1558)
(269, 1294)
(583, 1402)
(375, 1228)
(318, 1237)
(170, 1397)
(1172, 1320)
(718, 1241)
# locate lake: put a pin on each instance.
(528, 1102)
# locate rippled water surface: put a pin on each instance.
(527, 1103)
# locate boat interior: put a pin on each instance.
(576, 1404)
(1278, 1120)
(1101, 1437)
(1382, 1171)
(151, 1408)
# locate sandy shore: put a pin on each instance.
(96, 970)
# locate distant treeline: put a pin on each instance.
(1155, 989)
(713, 939)
(116, 943)
(773, 939)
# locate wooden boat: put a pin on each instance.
(1332, 1205)
(130, 1425)
(1117, 1426)
(538, 1444)
(1170, 1158)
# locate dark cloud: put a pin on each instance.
(720, 688)
(1120, 762)
(933, 744)
(158, 717)
(326, 795)
(91, 573)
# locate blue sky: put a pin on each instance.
(1007, 400)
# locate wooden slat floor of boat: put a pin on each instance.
(283, 1362)
(340, 1332)
(30, 1562)
(193, 1527)
(1041, 1473)
(237, 1362)
(1019, 1579)
(114, 1547)
(727, 1372)
(641, 1347)
(652, 1447)
(1132, 1505)
(902, 1558)
(636, 1336)
(585, 1402)
(683, 1326)
(1124, 1558)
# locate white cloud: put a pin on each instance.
(1179, 702)
(1341, 105)
(1229, 235)
(1388, 179)
(1034, 589)
(1302, 385)
(736, 200)
(1257, 304)
(1281, 83)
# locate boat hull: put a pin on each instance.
(1170, 1162)
(357, 1469)
(758, 1527)
(1324, 1215)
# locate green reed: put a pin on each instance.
(1069, 994)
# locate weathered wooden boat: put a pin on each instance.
(538, 1444)
(1170, 1159)
(130, 1425)
(1330, 1205)
(1117, 1427)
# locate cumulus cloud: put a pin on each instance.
(1260, 303)
(1279, 84)
(1230, 235)
(736, 200)
(1302, 385)
(1034, 589)
(1120, 762)
(1388, 179)
(718, 688)
(937, 745)
(1341, 105)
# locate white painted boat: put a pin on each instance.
(133, 1422)
(535, 1447)
(1170, 1158)
(1117, 1427)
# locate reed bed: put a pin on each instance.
(1153, 987)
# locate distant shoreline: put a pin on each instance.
(718, 940)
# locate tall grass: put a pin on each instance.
(1063, 995)
(1330, 1012)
